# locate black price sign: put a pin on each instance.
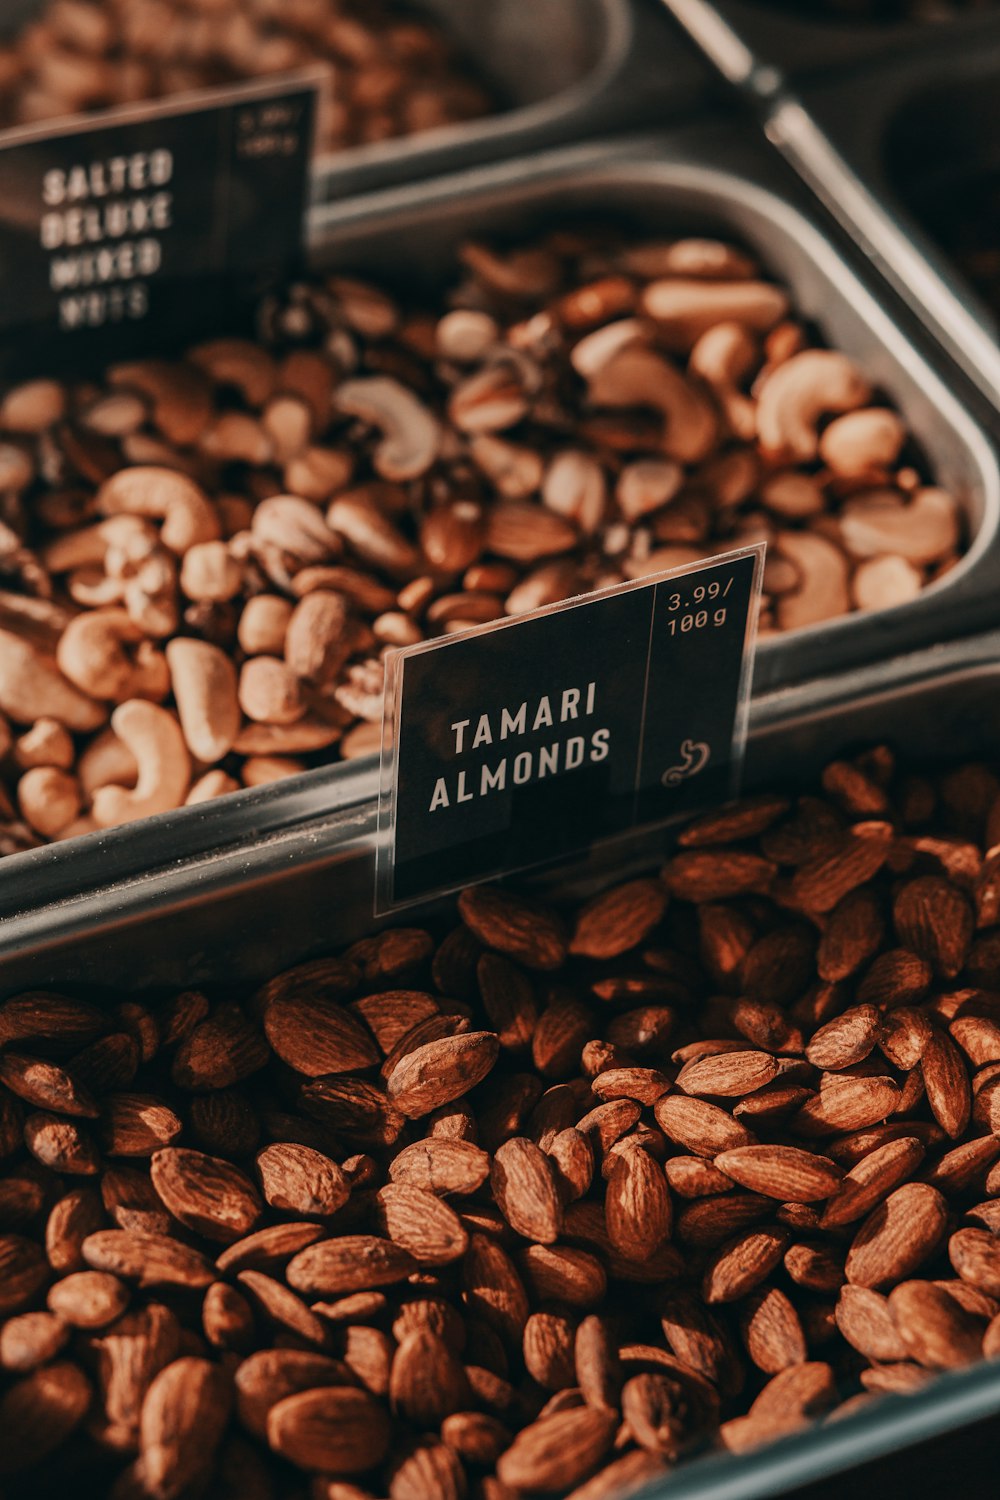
(534, 738)
(130, 230)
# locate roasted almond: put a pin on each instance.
(898, 1236)
(783, 1172)
(440, 1071)
(206, 1194)
(618, 919)
(529, 934)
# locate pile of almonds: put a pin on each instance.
(388, 72)
(203, 562)
(537, 1205)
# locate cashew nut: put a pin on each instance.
(796, 395)
(882, 582)
(106, 759)
(93, 589)
(154, 737)
(236, 437)
(47, 743)
(32, 687)
(684, 310)
(204, 682)
(48, 799)
(792, 495)
(923, 530)
(823, 591)
(639, 377)
(723, 357)
(466, 335)
(863, 444)
(92, 654)
(411, 434)
(187, 513)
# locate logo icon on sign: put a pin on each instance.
(695, 755)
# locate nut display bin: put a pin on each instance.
(237, 916)
(702, 179)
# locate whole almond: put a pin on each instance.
(898, 1236)
(846, 1040)
(333, 1428)
(729, 1075)
(441, 1166)
(618, 919)
(772, 1331)
(23, 1272)
(548, 1348)
(205, 1193)
(851, 937)
(529, 934)
(441, 1071)
(947, 1083)
(421, 1224)
(864, 1319)
(637, 1205)
(846, 1104)
(557, 1452)
(975, 1254)
(38, 1412)
(871, 1180)
(783, 1172)
(183, 1419)
(352, 1263)
(937, 1331)
(494, 1290)
(740, 1266)
(936, 921)
(703, 1128)
(150, 1260)
(427, 1382)
(315, 1036)
(301, 1181)
(268, 1376)
(523, 1183)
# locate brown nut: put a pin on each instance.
(210, 572)
(318, 639)
(259, 770)
(796, 395)
(154, 737)
(411, 434)
(270, 692)
(639, 377)
(49, 799)
(92, 654)
(263, 623)
(32, 687)
(186, 512)
(683, 310)
(863, 443)
(203, 678)
(47, 743)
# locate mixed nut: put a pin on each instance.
(204, 562)
(390, 73)
(540, 1203)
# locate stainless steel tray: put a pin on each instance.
(755, 43)
(700, 179)
(561, 71)
(239, 915)
(846, 137)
